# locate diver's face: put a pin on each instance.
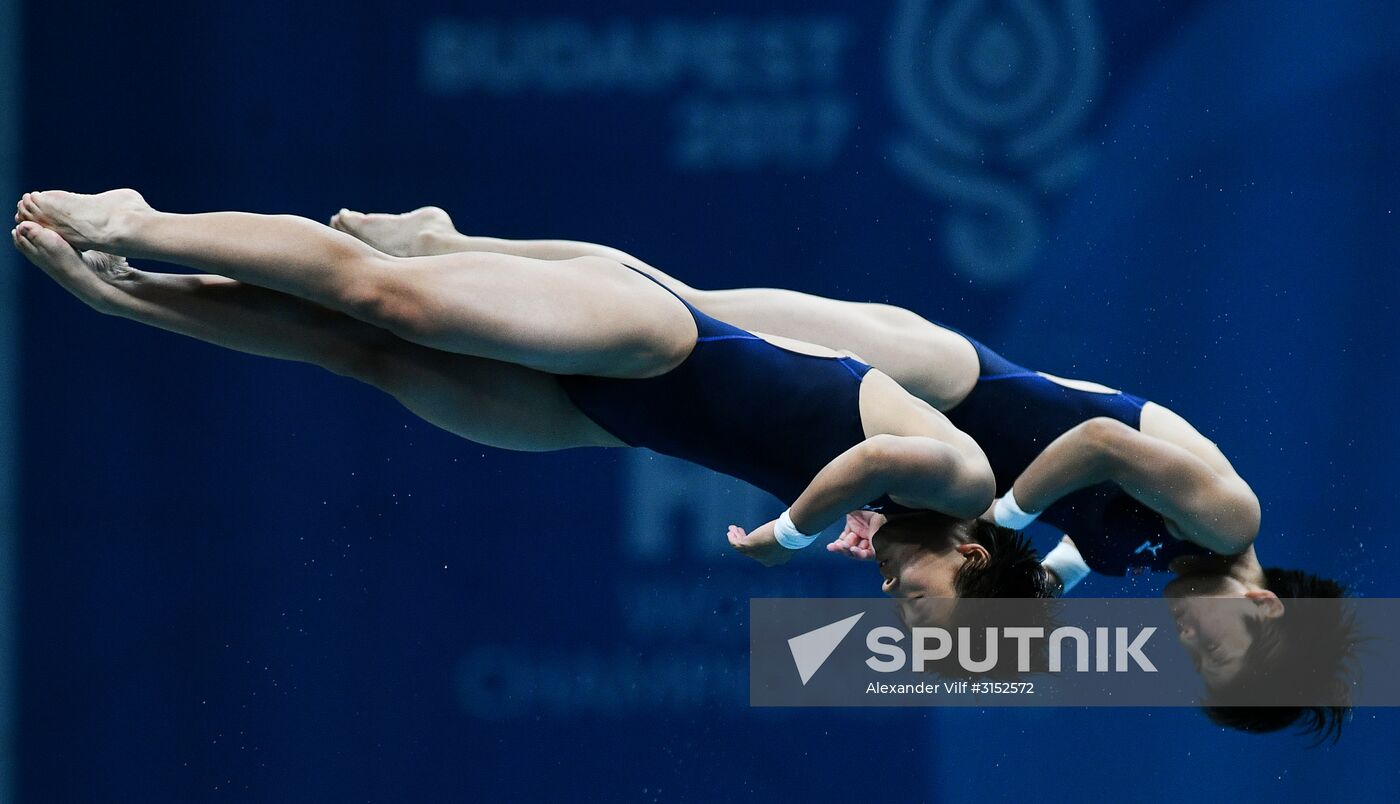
(915, 571)
(1214, 614)
(1215, 634)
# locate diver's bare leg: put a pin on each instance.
(492, 403)
(929, 361)
(428, 231)
(584, 316)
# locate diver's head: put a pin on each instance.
(1251, 646)
(929, 555)
(1219, 604)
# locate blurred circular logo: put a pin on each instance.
(993, 95)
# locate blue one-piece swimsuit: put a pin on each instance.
(1014, 414)
(738, 405)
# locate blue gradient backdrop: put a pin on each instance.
(251, 581)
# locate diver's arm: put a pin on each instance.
(1215, 510)
(913, 471)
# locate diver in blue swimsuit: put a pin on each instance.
(537, 354)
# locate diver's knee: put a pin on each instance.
(387, 301)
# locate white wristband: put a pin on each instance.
(1067, 564)
(1008, 514)
(788, 535)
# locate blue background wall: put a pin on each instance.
(243, 580)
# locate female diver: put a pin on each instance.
(540, 354)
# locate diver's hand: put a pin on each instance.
(761, 545)
(854, 541)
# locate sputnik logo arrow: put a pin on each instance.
(811, 650)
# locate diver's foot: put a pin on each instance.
(92, 276)
(84, 221)
(412, 234)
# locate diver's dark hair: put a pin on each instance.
(1012, 568)
(1317, 644)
